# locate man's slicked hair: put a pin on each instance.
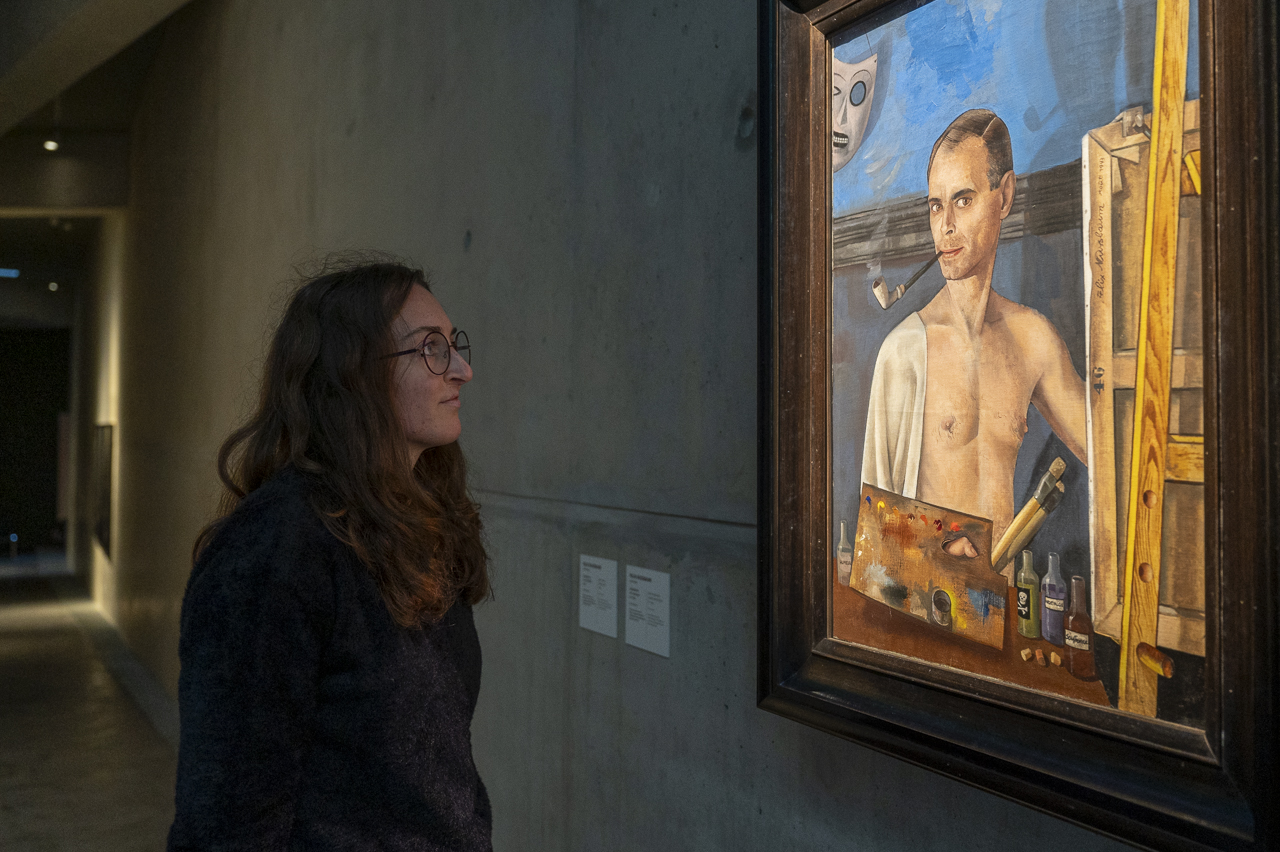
(979, 124)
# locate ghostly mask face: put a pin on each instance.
(852, 85)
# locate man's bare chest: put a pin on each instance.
(976, 395)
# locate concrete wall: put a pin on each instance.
(29, 22)
(95, 381)
(580, 178)
(47, 45)
(88, 171)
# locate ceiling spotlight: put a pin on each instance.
(51, 142)
(53, 286)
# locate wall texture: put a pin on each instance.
(47, 45)
(580, 179)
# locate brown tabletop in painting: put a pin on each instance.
(858, 619)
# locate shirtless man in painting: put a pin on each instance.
(952, 383)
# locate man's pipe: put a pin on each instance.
(887, 297)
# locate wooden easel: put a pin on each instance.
(1150, 454)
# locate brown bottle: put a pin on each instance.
(1078, 633)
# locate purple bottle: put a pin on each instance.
(1053, 602)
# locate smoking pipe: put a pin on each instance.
(887, 297)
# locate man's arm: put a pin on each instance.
(1060, 395)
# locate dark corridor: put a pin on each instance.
(34, 379)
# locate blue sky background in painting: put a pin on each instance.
(1052, 69)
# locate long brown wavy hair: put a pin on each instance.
(326, 407)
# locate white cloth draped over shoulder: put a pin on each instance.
(895, 413)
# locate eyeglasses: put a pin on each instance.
(435, 350)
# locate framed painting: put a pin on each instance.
(1018, 319)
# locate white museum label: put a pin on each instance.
(649, 610)
(598, 594)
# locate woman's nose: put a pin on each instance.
(459, 369)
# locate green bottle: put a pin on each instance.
(1028, 586)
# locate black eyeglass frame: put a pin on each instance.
(460, 343)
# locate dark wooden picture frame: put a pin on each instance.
(1157, 786)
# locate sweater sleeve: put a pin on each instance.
(255, 619)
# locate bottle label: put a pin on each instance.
(1055, 604)
(1024, 602)
(1079, 641)
(846, 559)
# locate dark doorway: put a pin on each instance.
(34, 378)
(45, 262)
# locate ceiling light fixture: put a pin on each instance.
(53, 142)
(53, 286)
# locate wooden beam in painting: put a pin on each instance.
(1138, 684)
(1191, 173)
(1044, 202)
(1186, 369)
(1184, 459)
(1099, 296)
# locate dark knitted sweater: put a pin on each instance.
(310, 720)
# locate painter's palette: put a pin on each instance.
(899, 560)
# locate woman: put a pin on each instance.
(330, 665)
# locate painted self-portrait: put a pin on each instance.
(949, 398)
(982, 346)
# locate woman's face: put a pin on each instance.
(427, 404)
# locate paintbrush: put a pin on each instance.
(887, 297)
(1042, 492)
(1031, 527)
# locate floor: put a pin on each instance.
(86, 739)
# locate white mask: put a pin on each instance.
(852, 87)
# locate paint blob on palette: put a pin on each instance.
(930, 563)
